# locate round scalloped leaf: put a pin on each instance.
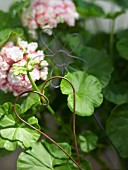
(88, 92)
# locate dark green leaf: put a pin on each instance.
(122, 47)
(117, 129)
(96, 63)
(122, 34)
(122, 3)
(89, 9)
(6, 97)
(117, 92)
(88, 92)
(88, 141)
(99, 64)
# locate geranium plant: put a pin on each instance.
(63, 88)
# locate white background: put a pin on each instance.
(4, 4)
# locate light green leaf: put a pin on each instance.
(88, 92)
(7, 33)
(117, 129)
(7, 111)
(38, 158)
(31, 100)
(26, 135)
(57, 153)
(13, 129)
(8, 145)
(88, 141)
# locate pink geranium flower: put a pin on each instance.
(48, 13)
(15, 62)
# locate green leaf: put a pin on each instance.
(96, 63)
(4, 19)
(114, 15)
(117, 129)
(122, 34)
(57, 153)
(37, 158)
(88, 92)
(31, 100)
(7, 119)
(8, 145)
(6, 97)
(6, 34)
(122, 47)
(13, 129)
(88, 141)
(117, 93)
(122, 3)
(89, 9)
(99, 64)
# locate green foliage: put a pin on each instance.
(13, 132)
(88, 141)
(122, 48)
(30, 100)
(117, 92)
(117, 128)
(101, 84)
(88, 9)
(122, 3)
(12, 34)
(88, 92)
(96, 63)
(48, 157)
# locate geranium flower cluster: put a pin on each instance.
(16, 62)
(48, 13)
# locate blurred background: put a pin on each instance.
(94, 25)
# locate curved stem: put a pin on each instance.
(37, 89)
(74, 111)
(45, 135)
